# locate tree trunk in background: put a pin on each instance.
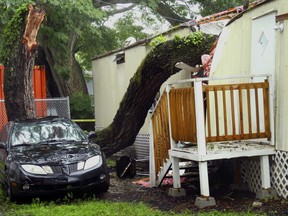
(18, 85)
(155, 69)
(76, 81)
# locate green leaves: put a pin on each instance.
(157, 40)
(11, 35)
(81, 106)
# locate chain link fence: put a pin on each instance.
(44, 107)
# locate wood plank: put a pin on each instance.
(194, 137)
(249, 109)
(225, 112)
(173, 111)
(208, 114)
(266, 110)
(233, 112)
(233, 86)
(257, 111)
(282, 17)
(241, 113)
(216, 112)
(238, 137)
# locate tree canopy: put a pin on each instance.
(73, 31)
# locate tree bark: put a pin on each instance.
(18, 89)
(155, 69)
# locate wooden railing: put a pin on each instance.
(237, 110)
(161, 137)
(242, 105)
(232, 112)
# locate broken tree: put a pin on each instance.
(17, 53)
(155, 69)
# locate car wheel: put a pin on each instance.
(105, 187)
(8, 191)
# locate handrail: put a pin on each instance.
(161, 136)
(248, 76)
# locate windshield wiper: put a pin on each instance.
(22, 144)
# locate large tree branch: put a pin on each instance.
(155, 69)
(162, 9)
(122, 10)
(167, 13)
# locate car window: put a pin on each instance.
(46, 131)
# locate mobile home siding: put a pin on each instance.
(233, 56)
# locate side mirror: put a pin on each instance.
(91, 134)
(2, 145)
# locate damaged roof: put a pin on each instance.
(212, 24)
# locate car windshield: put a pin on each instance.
(46, 132)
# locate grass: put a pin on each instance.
(96, 207)
(93, 206)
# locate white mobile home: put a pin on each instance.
(245, 110)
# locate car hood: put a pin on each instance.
(62, 153)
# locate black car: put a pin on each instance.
(48, 156)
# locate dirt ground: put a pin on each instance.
(127, 190)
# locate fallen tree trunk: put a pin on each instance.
(155, 69)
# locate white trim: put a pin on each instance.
(265, 13)
(200, 119)
(152, 174)
(220, 78)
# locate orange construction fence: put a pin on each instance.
(39, 85)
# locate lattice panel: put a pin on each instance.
(250, 174)
(139, 150)
(279, 173)
(142, 146)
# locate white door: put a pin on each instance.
(263, 44)
(263, 49)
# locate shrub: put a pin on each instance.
(81, 106)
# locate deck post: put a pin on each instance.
(152, 172)
(176, 191)
(201, 138)
(172, 141)
(204, 200)
(272, 108)
(265, 171)
(266, 190)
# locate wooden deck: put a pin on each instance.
(223, 121)
(224, 150)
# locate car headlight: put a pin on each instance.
(34, 169)
(91, 162)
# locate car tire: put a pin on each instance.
(105, 187)
(8, 191)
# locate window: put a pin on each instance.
(120, 58)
